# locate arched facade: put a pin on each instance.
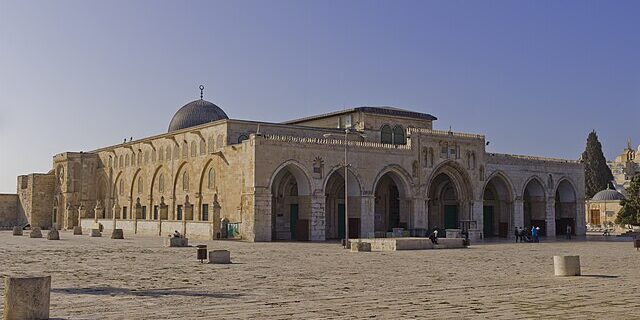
(497, 209)
(290, 203)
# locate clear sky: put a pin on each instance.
(533, 76)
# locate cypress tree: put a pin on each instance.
(597, 174)
(630, 211)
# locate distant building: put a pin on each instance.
(625, 166)
(602, 209)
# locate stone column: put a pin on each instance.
(260, 228)
(517, 218)
(550, 218)
(420, 215)
(197, 211)
(215, 218)
(116, 212)
(317, 217)
(367, 215)
(477, 215)
(581, 219)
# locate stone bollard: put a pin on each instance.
(220, 256)
(35, 233)
(96, 233)
(176, 242)
(360, 247)
(53, 234)
(77, 231)
(17, 231)
(117, 234)
(566, 266)
(27, 297)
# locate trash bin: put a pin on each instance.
(202, 252)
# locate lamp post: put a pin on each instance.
(346, 179)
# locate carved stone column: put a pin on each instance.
(367, 215)
(550, 218)
(518, 216)
(318, 217)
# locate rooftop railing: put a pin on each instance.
(337, 142)
(443, 133)
(517, 156)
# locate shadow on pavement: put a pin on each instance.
(145, 293)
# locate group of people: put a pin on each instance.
(525, 235)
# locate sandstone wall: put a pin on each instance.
(8, 210)
(36, 194)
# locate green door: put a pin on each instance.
(450, 217)
(341, 221)
(293, 221)
(487, 215)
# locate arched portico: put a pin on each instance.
(534, 205)
(450, 196)
(290, 203)
(335, 205)
(497, 200)
(392, 205)
(565, 208)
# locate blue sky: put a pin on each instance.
(533, 76)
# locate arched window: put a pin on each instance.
(473, 160)
(425, 157)
(120, 162)
(185, 181)
(168, 155)
(242, 137)
(161, 154)
(121, 187)
(203, 148)
(110, 161)
(146, 157)
(398, 135)
(185, 149)
(140, 187)
(139, 157)
(212, 179)
(194, 149)
(127, 162)
(211, 144)
(161, 183)
(386, 134)
(430, 157)
(469, 160)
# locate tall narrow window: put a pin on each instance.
(203, 148)
(124, 212)
(398, 135)
(386, 134)
(212, 179)
(161, 183)
(179, 212)
(211, 144)
(185, 181)
(161, 154)
(205, 212)
(194, 150)
(140, 187)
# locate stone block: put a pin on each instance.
(53, 234)
(77, 231)
(35, 233)
(176, 242)
(117, 234)
(453, 233)
(95, 233)
(566, 266)
(27, 297)
(17, 231)
(220, 256)
(360, 247)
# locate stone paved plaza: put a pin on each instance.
(137, 278)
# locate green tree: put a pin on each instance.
(597, 174)
(630, 212)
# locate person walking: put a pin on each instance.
(534, 234)
(516, 232)
(568, 233)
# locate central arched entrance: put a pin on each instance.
(565, 208)
(449, 195)
(290, 204)
(497, 199)
(391, 208)
(535, 206)
(335, 206)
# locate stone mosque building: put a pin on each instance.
(286, 181)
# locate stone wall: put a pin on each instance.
(35, 199)
(8, 210)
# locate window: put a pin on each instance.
(185, 181)
(242, 137)
(146, 157)
(205, 212)
(194, 149)
(124, 212)
(120, 162)
(444, 152)
(212, 179)
(185, 149)
(211, 144)
(168, 157)
(155, 212)
(139, 157)
(345, 122)
(179, 212)
(161, 154)
(161, 183)
(398, 135)
(144, 212)
(140, 187)
(121, 187)
(386, 135)
(127, 162)
(203, 148)
(55, 215)
(430, 157)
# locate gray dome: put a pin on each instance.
(608, 195)
(195, 113)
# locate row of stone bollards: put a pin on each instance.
(54, 234)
